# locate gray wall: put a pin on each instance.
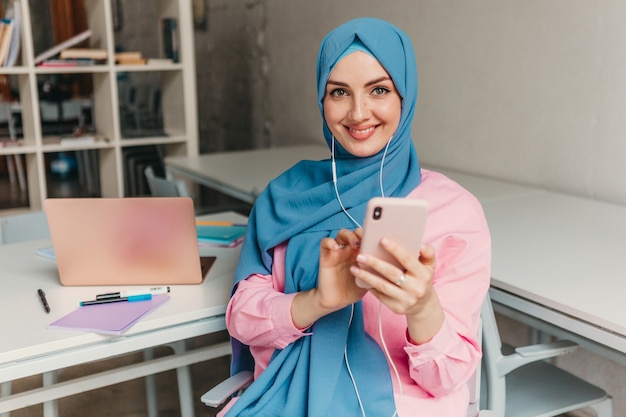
(531, 91)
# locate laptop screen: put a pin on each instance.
(124, 241)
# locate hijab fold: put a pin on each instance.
(310, 376)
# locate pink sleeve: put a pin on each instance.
(457, 229)
(463, 245)
(259, 313)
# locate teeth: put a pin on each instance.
(363, 131)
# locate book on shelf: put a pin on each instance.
(6, 30)
(130, 58)
(170, 38)
(78, 140)
(10, 143)
(89, 53)
(78, 62)
(159, 61)
(56, 50)
(13, 13)
(139, 61)
(128, 55)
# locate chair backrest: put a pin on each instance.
(164, 187)
(474, 383)
(23, 227)
(493, 385)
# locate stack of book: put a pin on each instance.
(68, 54)
(222, 234)
(52, 53)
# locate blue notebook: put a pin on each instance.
(228, 236)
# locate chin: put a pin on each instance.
(364, 149)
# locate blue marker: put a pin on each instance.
(142, 297)
(122, 294)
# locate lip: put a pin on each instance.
(361, 132)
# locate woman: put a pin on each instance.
(319, 344)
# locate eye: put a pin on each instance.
(380, 91)
(338, 92)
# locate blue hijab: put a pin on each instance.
(309, 377)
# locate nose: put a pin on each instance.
(359, 110)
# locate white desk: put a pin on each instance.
(28, 348)
(558, 261)
(242, 174)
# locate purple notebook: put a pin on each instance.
(111, 318)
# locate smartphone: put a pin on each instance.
(400, 219)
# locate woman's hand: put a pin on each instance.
(336, 286)
(407, 291)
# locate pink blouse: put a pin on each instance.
(433, 375)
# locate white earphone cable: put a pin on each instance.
(345, 356)
(334, 169)
(382, 340)
(380, 325)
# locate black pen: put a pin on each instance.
(42, 297)
(142, 297)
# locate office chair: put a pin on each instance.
(170, 187)
(165, 187)
(520, 383)
(23, 227)
(236, 384)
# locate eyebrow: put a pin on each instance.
(369, 83)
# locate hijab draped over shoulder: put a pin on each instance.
(310, 376)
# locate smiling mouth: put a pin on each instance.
(362, 131)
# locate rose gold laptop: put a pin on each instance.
(124, 241)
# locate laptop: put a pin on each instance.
(124, 241)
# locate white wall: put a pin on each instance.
(532, 91)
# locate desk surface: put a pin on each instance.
(563, 252)
(243, 174)
(25, 337)
(557, 258)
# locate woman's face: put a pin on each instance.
(361, 104)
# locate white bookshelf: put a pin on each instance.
(178, 99)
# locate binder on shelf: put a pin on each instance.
(170, 38)
(56, 50)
